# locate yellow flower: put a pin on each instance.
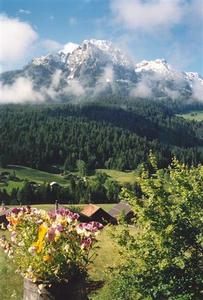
(42, 231)
(39, 245)
(47, 258)
(41, 234)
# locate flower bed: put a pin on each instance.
(49, 247)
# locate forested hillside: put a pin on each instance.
(102, 136)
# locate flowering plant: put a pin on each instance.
(49, 246)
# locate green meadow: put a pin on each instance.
(120, 176)
(193, 115)
(26, 173)
(34, 174)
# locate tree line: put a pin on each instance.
(101, 136)
(79, 190)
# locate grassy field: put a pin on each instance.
(41, 176)
(121, 177)
(34, 175)
(11, 283)
(11, 185)
(25, 173)
(193, 115)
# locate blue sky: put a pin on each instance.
(146, 29)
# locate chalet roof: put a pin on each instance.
(121, 207)
(90, 209)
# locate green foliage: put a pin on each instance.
(164, 259)
(81, 167)
(100, 136)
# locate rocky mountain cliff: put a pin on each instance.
(95, 68)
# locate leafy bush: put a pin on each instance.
(164, 258)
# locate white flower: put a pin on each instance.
(32, 250)
(67, 248)
(21, 244)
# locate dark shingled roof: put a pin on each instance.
(96, 213)
(119, 208)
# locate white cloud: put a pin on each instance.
(56, 79)
(20, 91)
(24, 11)
(51, 90)
(16, 38)
(51, 45)
(75, 88)
(108, 75)
(142, 90)
(197, 89)
(173, 94)
(148, 15)
(106, 78)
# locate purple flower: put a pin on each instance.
(52, 214)
(91, 226)
(60, 228)
(16, 210)
(51, 234)
(73, 216)
(86, 243)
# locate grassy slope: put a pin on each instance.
(41, 176)
(107, 254)
(34, 175)
(193, 115)
(11, 185)
(121, 177)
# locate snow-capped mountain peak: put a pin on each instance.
(69, 48)
(40, 60)
(193, 76)
(46, 60)
(98, 66)
(157, 65)
(100, 44)
(109, 49)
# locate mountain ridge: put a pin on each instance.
(97, 67)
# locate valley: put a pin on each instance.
(85, 126)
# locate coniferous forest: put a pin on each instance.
(103, 136)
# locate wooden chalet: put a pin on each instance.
(98, 214)
(122, 208)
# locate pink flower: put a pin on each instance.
(51, 234)
(60, 228)
(91, 226)
(85, 243)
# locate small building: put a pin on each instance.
(98, 214)
(83, 218)
(122, 208)
(54, 183)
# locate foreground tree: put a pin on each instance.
(164, 256)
